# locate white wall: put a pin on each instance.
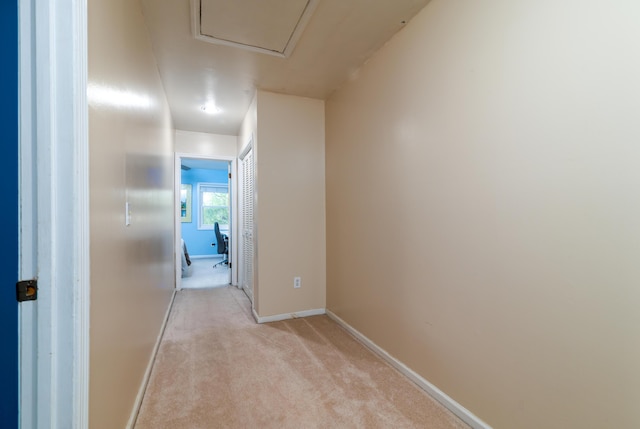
(492, 149)
(249, 127)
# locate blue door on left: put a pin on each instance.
(9, 214)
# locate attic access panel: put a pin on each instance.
(267, 26)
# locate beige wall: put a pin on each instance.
(482, 208)
(131, 158)
(205, 144)
(290, 205)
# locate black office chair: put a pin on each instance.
(222, 242)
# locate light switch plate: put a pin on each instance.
(127, 214)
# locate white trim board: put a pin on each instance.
(463, 414)
(287, 316)
(216, 256)
(249, 295)
(233, 248)
(285, 53)
(147, 374)
(54, 148)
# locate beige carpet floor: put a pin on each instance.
(217, 368)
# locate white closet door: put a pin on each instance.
(247, 223)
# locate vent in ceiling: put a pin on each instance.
(267, 26)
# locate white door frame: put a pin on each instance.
(54, 213)
(240, 265)
(233, 185)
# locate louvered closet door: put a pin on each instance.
(247, 223)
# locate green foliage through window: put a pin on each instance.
(211, 215)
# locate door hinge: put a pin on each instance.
(230, 265)
(27, 290)
(229, 175)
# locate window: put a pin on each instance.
(213, 199)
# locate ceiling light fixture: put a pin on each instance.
(211, 109)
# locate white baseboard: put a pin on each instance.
(249, 294)
(286, 316)
(147, 373)
(205, 256)
(457, 409)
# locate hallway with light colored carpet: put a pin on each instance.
(217, 368)
(204, 275)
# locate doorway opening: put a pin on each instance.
(204, 222)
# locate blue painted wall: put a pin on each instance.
(9, 216)
(199, 241)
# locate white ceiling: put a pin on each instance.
(338, 38)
